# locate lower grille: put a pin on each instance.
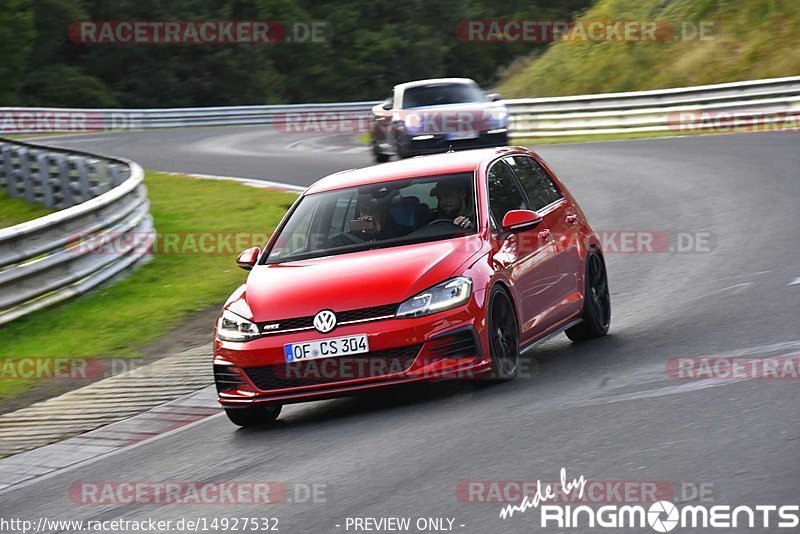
(226, 379)
(456, 345)
(331, 370)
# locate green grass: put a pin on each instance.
(116, 320)
(752, 39)
(14, 210)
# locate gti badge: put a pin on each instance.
(325, 321)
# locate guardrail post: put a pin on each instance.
(65, 193)
(21, 174)
(84, 185)
(98, 178)
(32, 185)
(5, 166)
(116, 175)
(43, 161)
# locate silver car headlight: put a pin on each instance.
(499, 116)
(449, 294)
(232, 327)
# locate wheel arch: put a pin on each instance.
(504, 286)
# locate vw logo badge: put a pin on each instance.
(325, 321)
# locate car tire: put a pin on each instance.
(596, 315)
(503, 335)
(254, 415)
(379, 156)
(402, 153)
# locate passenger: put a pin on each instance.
(375, 224)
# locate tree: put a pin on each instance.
(17, 37)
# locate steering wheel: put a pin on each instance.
(441, 221)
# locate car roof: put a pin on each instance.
(433, 81)
(433, 165)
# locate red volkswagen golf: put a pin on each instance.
(437, 267)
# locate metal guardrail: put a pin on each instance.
(681, 109)
(50, 259)
(611, 113)
(38, 120)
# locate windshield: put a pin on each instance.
(441, 94)
(380, 215)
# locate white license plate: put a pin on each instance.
(326, 348)
(455, 136)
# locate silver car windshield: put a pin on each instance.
(441, 94)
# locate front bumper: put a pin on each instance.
(445, 345)
(437, 143)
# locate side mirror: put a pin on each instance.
(519, 220)
(493, 97)
(387, 105)
(248, 258)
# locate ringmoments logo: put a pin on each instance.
(660, 516)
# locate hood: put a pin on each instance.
(354, 280)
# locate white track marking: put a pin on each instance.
(251, 182)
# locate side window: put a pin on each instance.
(504, 193)
(540, 188)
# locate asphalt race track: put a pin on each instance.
(607, 410)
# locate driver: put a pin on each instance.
(452, 203)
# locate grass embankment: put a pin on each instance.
(14, 210)
(113, 321)
(751, 39)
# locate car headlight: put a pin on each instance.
(448, 294)
(499, 115)
(232, 327)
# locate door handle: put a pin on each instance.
(544, 235)
(572, 218)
